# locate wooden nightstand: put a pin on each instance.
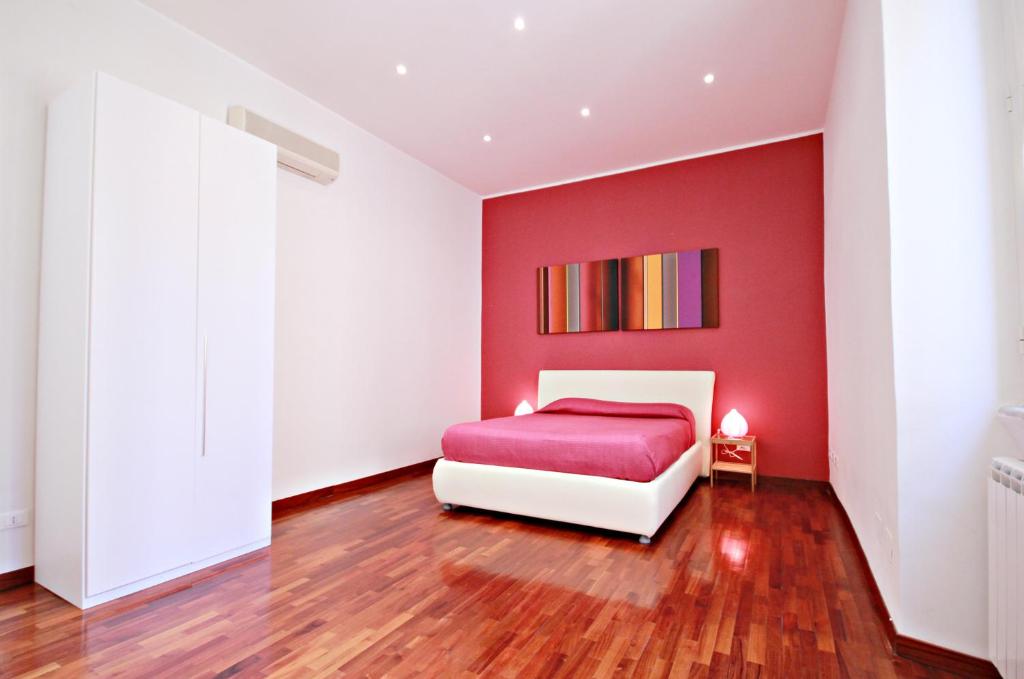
(726, 456)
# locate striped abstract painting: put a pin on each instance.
(580, 297)
(670, 290)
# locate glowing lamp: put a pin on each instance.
(524, 408)
(733, 424)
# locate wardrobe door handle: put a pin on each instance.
(206, 346)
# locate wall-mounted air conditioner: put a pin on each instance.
(294, 152)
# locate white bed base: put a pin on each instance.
(614, 504)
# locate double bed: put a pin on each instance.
(591, 455)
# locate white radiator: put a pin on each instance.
(1005, 559)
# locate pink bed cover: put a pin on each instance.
(631, 441)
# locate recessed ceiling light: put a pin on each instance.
(520, 24)
(487, 137)
(709, 78)
(401, 69)
(585, 112)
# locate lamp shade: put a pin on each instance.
(524, 408)
(733, 424)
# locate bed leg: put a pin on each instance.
(447, 506)
(644, 540)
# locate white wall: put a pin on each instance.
(921, 300)
(955, 301)
(858, 312)
(378, 331)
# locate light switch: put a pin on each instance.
(15, 519)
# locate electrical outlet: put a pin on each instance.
(15, 519)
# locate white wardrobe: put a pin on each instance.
(156, 349)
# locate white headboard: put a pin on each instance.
(691, 388)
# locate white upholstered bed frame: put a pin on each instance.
(614, 504)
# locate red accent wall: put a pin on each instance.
(762, 207)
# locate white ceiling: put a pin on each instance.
(639, 66)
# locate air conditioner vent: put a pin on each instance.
(294, 152)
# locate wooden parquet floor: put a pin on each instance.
(383, 583)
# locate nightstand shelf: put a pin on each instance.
(732, 446)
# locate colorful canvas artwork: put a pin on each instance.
(581, 297)
(670, 290)
(647, 292)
